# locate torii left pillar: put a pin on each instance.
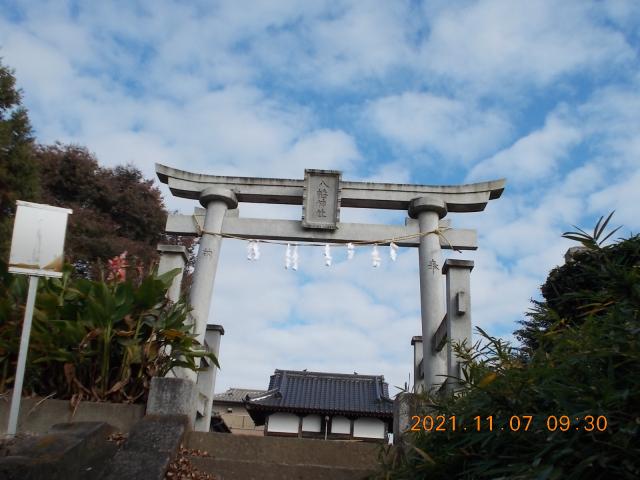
(216, 201)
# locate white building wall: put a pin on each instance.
(283, 423)
(312, 423)
(340, 425)
(368, 428)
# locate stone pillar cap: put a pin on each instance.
(210, 194)
(427, 204)
(166, 248)
(456, 263)
(215, 328)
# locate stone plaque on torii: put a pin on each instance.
(321, 199)
(322, 193)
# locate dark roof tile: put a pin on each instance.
(236, 395)
(324, 392)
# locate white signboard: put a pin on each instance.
(37, 245)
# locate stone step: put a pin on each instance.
(226, 469)
(285, 450)
(69, 451)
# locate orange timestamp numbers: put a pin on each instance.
(515, 423)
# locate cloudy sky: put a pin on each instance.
(543, 93)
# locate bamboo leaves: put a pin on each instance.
(592, 241)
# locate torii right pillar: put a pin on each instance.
(458, 273)
(429, 210)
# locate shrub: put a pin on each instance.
(97, 340)
(594, 274)
(583, 360)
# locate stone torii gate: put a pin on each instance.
(322, 193)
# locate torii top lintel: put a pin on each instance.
(471, 197)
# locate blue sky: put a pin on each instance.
(543, 93)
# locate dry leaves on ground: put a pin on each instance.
(118, 438)
(182, 469)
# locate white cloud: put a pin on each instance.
(390, 172)
(623, 13)
(451, 128)
(280, 86)
(500, 44)
(333, 45)
(611, 118)
(367, 40)
(499, 295)
(623, 197)
(324, 149)
(535, 156)
(316, 318)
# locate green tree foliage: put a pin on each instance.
(583, 361)
(91, 338)
(114, 209)
(581, 277)
(96, 340)
(18, 169)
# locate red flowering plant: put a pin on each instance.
(125, 267)
(117, 268)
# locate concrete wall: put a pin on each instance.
(291, 451)
(283, 423)
(37, 416)
(235, 409)
(242, 425)
(368, 428)
(238, 419)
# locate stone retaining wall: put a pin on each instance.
(38, 415)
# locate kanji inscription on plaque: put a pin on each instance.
(321, 199)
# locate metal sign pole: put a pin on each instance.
(37, 249)
(22, 356)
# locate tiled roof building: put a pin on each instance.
(317, 404)
(236, 395)
(230, 407)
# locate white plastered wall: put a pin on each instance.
(340, 425)
(312, 423)
(368, 428)
(283, 423)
